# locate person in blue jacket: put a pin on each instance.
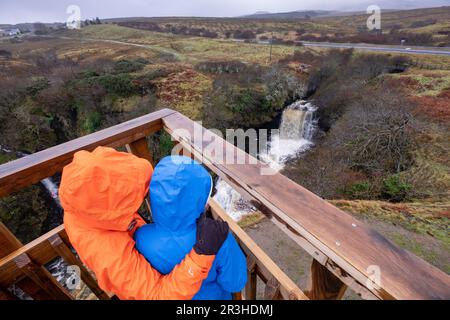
(179, 192)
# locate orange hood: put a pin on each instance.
(104, 188)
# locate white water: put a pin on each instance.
(295, 135)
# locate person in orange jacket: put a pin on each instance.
(101, 192)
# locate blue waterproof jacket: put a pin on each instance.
(179, 191)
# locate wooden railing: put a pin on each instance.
(347, 253)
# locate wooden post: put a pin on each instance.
(250, 287)
(8, 242)
(237, 296)
(323, 285)
(272, 290)
(140, 149)
(42, 278)
(63, 250)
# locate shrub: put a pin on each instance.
(358, 190)
(38, 85)
(246, 34)
(394, 189)
(93, 122)
(127, 66)
(221, 66)
(120, 84)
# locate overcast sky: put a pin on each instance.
(15, 11)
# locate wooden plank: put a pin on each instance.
(63, 251)
(16, 175)
(323, 285)
(42, 278)
(263, 263)
(40, 252)
(8, 242)
(350, 244)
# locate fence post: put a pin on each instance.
(323, 285)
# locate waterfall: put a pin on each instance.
(293, 137)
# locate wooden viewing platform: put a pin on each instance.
(346, 252)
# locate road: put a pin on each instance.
(377, 48)
(368, 47)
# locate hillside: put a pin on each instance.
(427, 27)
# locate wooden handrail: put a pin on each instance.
(348, 248)
(23, 172)
(345, 250)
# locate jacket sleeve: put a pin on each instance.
(131, 277)
(231, 266)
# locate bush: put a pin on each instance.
(93, 122)
(221, 66)
(358, 190)
(395, 190)
(245, 35)
(127, 66)
(37, 86)
(120, 84)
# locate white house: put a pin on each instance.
(3, 33)
(14, 32)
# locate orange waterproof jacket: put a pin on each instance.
(101, 192)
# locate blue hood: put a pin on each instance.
(179, 190)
